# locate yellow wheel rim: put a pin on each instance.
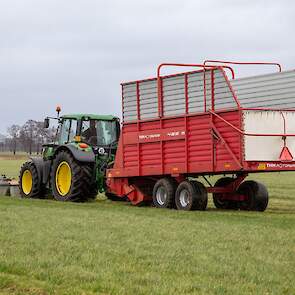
(27, 182)
(63, 178)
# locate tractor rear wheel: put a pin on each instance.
(218, 201)
(90, 191)
(71, 180)
(256, 196)
(191, 195)
(30, 185)
(163, 193)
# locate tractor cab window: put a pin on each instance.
(98, 132)
(67, 130)
(107, 132)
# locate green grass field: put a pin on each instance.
(104, 247)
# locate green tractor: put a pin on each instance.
(73, 167)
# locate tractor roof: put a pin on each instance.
(90, 116)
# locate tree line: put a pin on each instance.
(28, 137)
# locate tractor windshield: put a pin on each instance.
(98, 132)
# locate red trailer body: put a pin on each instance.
(200, 123)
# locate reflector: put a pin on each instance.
(286, 154)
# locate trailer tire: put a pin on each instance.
(30, 185)
(257, 196)
(191, 195)
(164, 193)
(217, 197)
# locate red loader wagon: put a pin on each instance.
(179, 128)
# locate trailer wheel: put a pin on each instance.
(163, 193)
(217, 197)
(29, 183)
(191, 195)
(256, 194)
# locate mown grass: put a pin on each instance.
(48, 247)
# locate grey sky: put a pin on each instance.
(75, 53)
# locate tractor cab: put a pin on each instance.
(94, 130)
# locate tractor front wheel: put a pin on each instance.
(30, 185)
(71, 180)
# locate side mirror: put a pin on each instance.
(46, 123)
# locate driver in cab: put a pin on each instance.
(90, 134)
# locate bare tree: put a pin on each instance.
(14, 132)
(30, 137)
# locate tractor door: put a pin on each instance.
(67, 131)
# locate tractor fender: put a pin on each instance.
(43, 168)
(79, 155)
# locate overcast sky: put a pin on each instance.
(76, 52)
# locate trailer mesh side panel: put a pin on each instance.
(148, 99)
(266, 91)
(129, 102)
(140, 99)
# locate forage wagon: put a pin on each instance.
(177, 129)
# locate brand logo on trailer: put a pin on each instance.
(164, 135)
(149, 136)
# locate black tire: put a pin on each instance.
(164, 193)
(115, 198)
(81, 187)
(37, 190)
(90, 191)
(217, 197)
(191, 195)
(256, 193)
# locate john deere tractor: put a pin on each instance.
(73, 167)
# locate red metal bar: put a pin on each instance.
(138, 125)
(137, 101)
(226, 145)
(245, 63)
(205, 91)
(213, 149)
(231, 89)
(160, 111)
(186, 93)
(266, 109)
(212, 91)
(249, 134)
(186, 143)
(122, 128)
